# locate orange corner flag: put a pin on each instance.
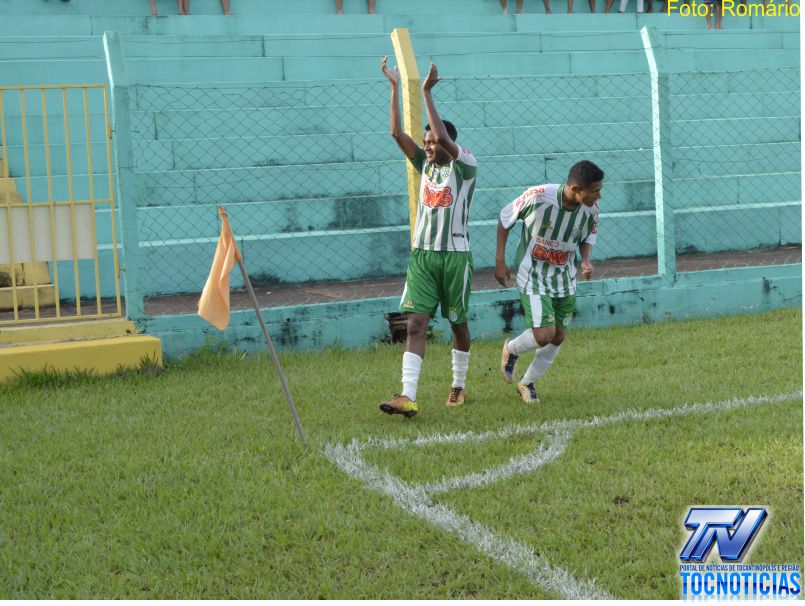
(213, 305)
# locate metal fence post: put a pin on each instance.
(126, 185)
(412, 109)
(663, 160)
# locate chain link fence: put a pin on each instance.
(736, 179)
(315, 187)
(316, 191)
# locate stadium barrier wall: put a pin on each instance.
(494, 314)
(333, 224)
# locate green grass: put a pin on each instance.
(192, 483)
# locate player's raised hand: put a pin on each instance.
(392, 75)
(586, 270)
(432, 79)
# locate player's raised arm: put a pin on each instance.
(436, 125)
(405, 142)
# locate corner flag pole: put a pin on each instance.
(274, 357)
(213, 305)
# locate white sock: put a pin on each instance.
(411, 365)
(542, 362)
(520, 345)
(461, 362)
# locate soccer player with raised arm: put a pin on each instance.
(440, 266)
(557, 219)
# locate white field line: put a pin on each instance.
(508, 551)
(558, 434)
(513, 554)
(626, 415)
(551, 449)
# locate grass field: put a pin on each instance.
(193, 484)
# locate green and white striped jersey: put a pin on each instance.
(445, 195)
(551, 234)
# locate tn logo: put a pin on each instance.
(713, 524)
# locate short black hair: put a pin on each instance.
(584, 174)
(449, 127)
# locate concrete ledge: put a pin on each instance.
(495, 313)
(101, 356)
(88, 329)
(26, 299)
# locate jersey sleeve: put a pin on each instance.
(593, 235)
(418, 161)
(519, 208)
(465, 164)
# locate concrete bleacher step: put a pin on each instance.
(34, 72)
(728, 39)
(327, 180)
(173, 265)
(276, 257)
(327, 45)
(358, 212)
(353, 121)
(249, 7)
(264, 8)
(328, 24)
(308, 181)
(206, 124)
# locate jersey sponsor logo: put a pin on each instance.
(551, 255)
(548, 243)
(437, 197)
(528, 194)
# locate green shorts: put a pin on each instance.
(542, 310)
(436, 277)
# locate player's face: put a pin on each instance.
(434, 152)
(590, 194)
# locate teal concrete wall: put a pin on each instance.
(493, 314)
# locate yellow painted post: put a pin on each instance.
(411, 109)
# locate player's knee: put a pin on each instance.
(461, 330)
(417, 325)
(558, 338)
(544, 335)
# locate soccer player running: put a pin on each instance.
(440, 266)
(557, 219)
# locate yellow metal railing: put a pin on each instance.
(51, 234)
